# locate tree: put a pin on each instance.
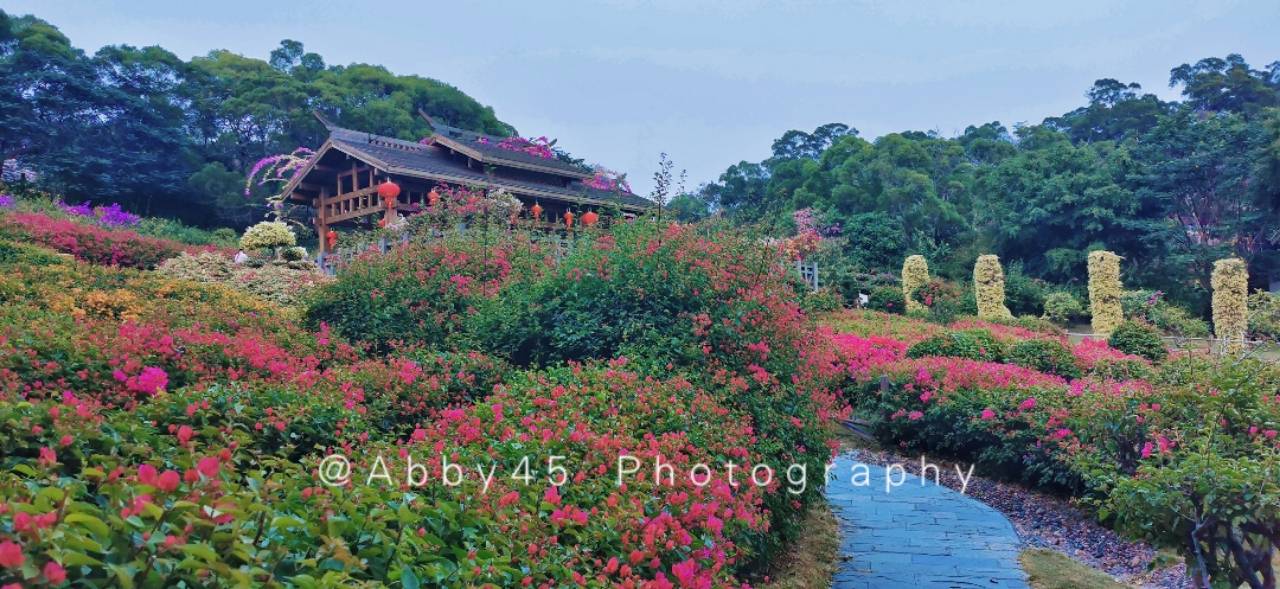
(1115, 111)
(689, 208)
(797, 144)
(1201, 172)
(1226, 84)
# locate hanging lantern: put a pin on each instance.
(332, 238)
(388, 190)
(433, 197)
(536, 209)
(568, 219)
(589, 218)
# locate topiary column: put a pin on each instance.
(915, 274)
(1104, 292)
(988, 288)
(1230, 303)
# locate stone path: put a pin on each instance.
(917, 536)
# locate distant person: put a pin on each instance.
(241, 257)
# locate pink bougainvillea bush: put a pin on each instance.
(90, 242)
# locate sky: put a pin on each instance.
(712, 83)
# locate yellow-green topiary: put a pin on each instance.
(1230, 303)
(1104, 292)
(915, 274)
(988, 288)
(268, 235)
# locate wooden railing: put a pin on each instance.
(351, 205)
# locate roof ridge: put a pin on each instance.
(374, 139)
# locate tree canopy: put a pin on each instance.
(165, 136)
(1171, 186)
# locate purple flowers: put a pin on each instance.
(6, 201)
(112, 215)
(81, 210)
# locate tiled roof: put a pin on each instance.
(414, 159)
(487, 146)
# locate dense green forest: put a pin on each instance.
(163, 136)
(1171, 186)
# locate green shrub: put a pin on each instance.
(1023, 295)
(974, 344)
(1139, 339)
(1152, 307)
(268, 235)
(420, 293)
(821, 301)
(1037, 324)
(945, 301)
(294, 254)
(1232, 497)
(16, 253)
(1212, 456)
(1045, 355)
(886, 298)
(1264, 316)
(1062, 307)
(171, 229)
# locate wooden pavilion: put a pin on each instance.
(341, 181)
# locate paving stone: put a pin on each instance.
(918, 536)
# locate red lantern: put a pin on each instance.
(589, 218)
(388, 190)
(332, 238)
(433, 197)
(536, 209)
(568, 219)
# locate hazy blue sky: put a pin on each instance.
(713, 83)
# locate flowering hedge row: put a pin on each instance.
(89, 242)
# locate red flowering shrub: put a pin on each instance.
(194, 481)
(707, 301)
(92, 243)
(402, 393)
(420, 293)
